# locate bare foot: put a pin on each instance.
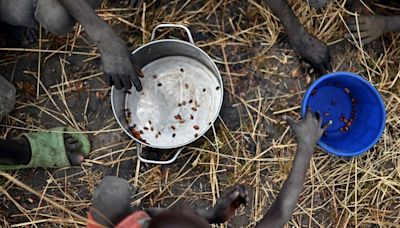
(311, 49)
(73, 147)
(369, 28)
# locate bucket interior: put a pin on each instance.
(354, 106)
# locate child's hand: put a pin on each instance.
(308, 131)
(230, 200)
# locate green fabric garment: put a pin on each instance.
(48, 150)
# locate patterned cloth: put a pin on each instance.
(137, 219)
(7, 97)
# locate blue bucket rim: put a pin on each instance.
(375, 92)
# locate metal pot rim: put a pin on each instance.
(218, 75)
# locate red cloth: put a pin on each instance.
(134, 220)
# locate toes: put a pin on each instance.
(73, 146)
(75, 159)
(69, 140)
(67, 135)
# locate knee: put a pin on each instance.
(54, 17)
(17, 12)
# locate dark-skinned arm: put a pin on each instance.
(307, 133)
(310, 48)
(285, 14)
(230, 200)
(115, 56)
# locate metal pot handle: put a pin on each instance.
(189, 34)
(139, 148)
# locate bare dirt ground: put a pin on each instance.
(60, 83)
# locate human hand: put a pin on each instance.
(230, 200)
(308, 131)
(118, 67)
(369, 28)
(311, 49)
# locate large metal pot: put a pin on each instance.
(181, 98)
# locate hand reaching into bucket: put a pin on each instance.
(309, 131)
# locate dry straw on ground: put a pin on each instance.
(263, 80)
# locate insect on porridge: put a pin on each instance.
(175, 107)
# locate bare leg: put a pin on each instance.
(310, 48)
(20, 14)
(54, 18)
(18, 151)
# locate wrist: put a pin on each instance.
(307, 146)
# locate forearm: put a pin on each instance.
(95, 27)
(209, 215)
(392, 23)
(285, 14)
(285, 203)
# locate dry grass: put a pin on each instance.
(257, 65)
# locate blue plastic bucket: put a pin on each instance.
(355, 107)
